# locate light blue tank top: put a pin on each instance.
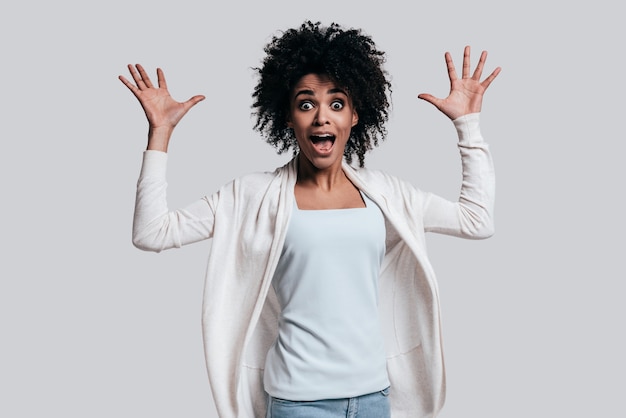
(329, 343)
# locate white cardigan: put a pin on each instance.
(247, 220)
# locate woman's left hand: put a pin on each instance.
(466, 93)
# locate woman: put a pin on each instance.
(319, 298)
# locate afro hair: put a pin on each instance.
(348, 57)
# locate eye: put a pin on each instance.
(336, 105)
(305, 106)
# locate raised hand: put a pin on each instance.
(162, 111)
(466, 93)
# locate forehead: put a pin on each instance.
(317, 84)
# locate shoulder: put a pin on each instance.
(378, 178)
(257, 178)
(388, 188)
(255, 183)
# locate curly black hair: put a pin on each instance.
(348, 57)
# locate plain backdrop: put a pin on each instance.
(533, 318)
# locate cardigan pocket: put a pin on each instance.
(413, 393)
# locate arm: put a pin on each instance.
(155, 228)
(472, 215)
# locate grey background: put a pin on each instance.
(92, 327)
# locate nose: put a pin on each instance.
(321, 117)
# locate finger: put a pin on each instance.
(479, 68)
(194, 100)
(130, 85)
(450, 65)
(466, 62)
(491, 77)
(127, 83)
(136, 77)
(161, 79)
(133, 73)
(429, 98)
(144, 76)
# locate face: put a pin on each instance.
(322, 116)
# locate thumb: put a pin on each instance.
(194, 100)
(429, 98)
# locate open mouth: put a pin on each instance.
(323, 142)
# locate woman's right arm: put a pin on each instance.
(155, 228)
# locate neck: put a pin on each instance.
(323, 178)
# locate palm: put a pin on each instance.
(466, 93)
(160, 108)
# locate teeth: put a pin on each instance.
(321, 138)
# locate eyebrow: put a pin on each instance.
(306, 92)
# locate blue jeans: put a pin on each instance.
(373, 405)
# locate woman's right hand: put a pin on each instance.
(162, 111)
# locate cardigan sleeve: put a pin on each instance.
(155, 227)
(472, 215)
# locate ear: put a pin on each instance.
(355, 118)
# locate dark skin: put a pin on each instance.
(322, 116)
(321, 182)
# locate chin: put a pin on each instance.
(321, 163)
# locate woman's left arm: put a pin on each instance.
(472, 215)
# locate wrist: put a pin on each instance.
(159, 138)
